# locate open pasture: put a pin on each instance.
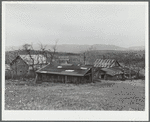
(105, 95)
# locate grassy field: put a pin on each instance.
(105, 95)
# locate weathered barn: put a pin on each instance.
(19, 67)
(22, 64)
(37, 60)
(107, 69)
(110, 69)
(112, 73)
(64, 74)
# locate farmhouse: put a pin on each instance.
(64, 74)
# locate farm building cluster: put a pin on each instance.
(61, 70)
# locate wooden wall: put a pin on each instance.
(19, 67)
(62, 78)
(115, 77)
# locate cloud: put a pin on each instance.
(121, 25)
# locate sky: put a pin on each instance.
(74, 23)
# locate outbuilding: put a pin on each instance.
(110, 69)
(19, 67)
(64, 73)
(22, 64)
(103, 69)
(112, 73)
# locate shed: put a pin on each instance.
(64, 74)
(102, 68)
(112, 73)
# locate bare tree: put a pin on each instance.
(132, 60)
(89, 56)
(52, 52)
(28, 48)
(11, 55)
(44, 52)
(49, 54)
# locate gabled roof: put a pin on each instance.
(18, 57)
(38, 59)
(117, 70)
(112, 71)
(105, 63)
(65, 70)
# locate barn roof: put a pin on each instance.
(104, 62)
(117, 70)
(38, 59)
(112, 71)
(71, 70)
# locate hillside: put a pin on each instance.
(75, 48)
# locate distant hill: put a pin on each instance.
(137, 48)
(75, 48)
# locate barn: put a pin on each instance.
(112, 73)
(107, 69)
(64, 74)
(110, 69)
(37, 60)
(19, 67)
(22, 64)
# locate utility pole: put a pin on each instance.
(84, 58)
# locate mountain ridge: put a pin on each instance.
(76, 48)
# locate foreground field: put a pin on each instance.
(108, 95)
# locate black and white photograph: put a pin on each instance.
(75, 60)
